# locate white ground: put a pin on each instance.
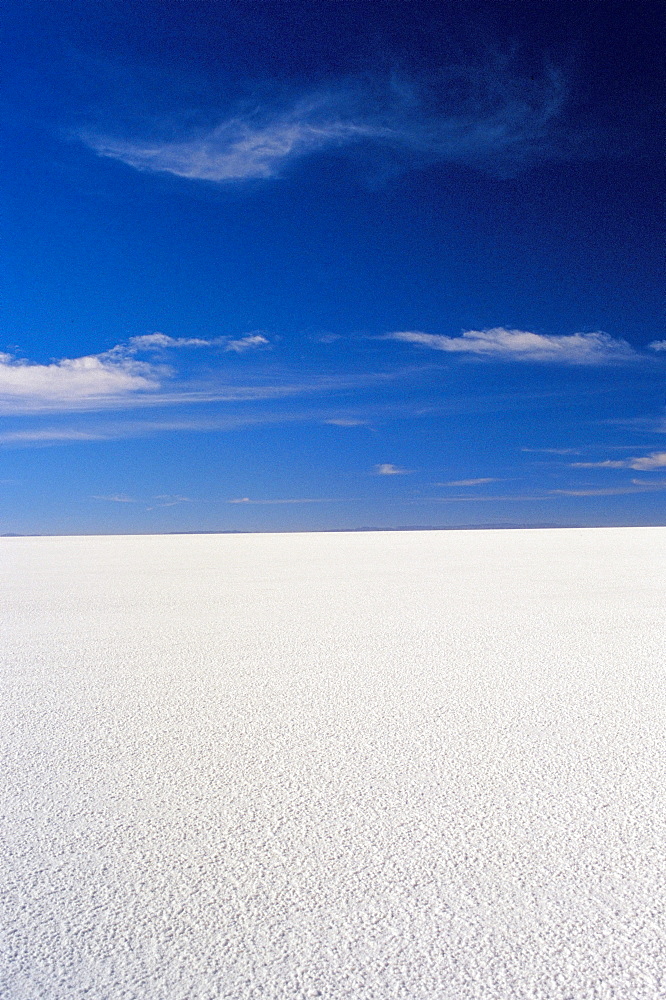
(420, 765)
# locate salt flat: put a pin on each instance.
(422, 765)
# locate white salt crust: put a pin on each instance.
(420, 765)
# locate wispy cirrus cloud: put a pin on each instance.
(168, 500)
(653, 425)
(477, 498)
(162, 500)
(346, 422)
(239, 412)
(244, 147)
(658, 345)
(159, 342)
(489, 116)
(129, 428)
(163, 342)
(522, 345)
(248, 500)
(611, 491)
(552, 451)
(51, 435)
(469, 482)
(115, 498)
(583, 491)
(640, 463)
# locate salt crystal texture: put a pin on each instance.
(370, 766)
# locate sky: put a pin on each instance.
(289, 266)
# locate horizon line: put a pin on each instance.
(541, 526)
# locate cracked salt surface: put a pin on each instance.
(421, 765)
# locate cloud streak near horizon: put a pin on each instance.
(485, 116)
(469, 482)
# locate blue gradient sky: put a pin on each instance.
(283, 265)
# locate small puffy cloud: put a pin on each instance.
(522, 345)
(468, 482)
(658, 345)
(246, 343)
(387, 469)
(641, 463)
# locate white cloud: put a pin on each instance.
(246, 343)
(658, 345)
(387, 469)
(521, 345)
(468, 482)
(93, 377)
(116, 377)
(486, 115)
(641, 463)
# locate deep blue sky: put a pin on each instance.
(286, 265)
